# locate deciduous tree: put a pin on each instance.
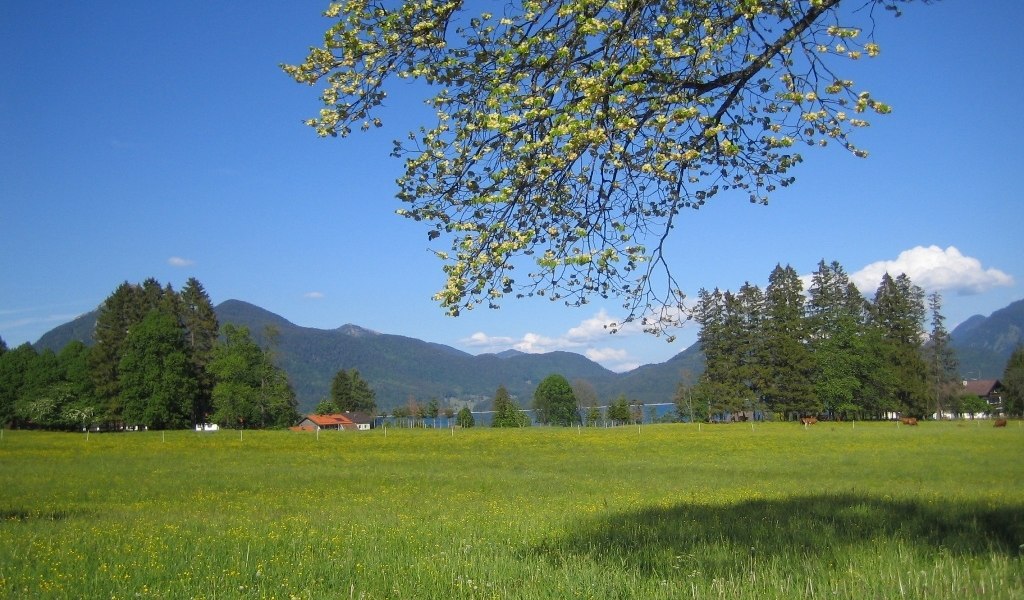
(618, 411)
(249, 390)
(157, 378)
(570, 134)
(554, 402)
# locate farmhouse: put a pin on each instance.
(339, 421)
(991, 390)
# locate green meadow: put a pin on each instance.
(775, 510)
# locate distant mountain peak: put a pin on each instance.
(355, 330)
(240, 311)
(510, 353)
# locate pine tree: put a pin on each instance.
(506, 413)
(835, 318)
(789, 363)
(750, 347)
(201, 329)
(896, 317)
(121, 311)
(465, 418)
(1013, 380)
(351, 393)
(943, 367)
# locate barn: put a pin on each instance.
(332, 421)
(339, 421)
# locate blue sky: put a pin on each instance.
(161, 140)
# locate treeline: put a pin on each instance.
(160, 361)
(827, 352)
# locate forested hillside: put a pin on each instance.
(400, 368)
(984, 344)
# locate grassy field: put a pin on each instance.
(869, 510)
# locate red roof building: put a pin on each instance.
(333, 421)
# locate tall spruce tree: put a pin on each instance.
(201, 328)
(896, 317)
(121, 311)
(789, 364)
(751, 348)
(506, 412)
(943, 367)
(720, 316)
(835, 318)
(351, 393)
(1013, 379)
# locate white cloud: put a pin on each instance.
(595, 327)
(314, 295)
(933, 268)
(488, 342)
(177, 261)
(576, 339)
(615, 359)
(535, 343)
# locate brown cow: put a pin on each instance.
(908, 421)
(808, 420)
(999, 423)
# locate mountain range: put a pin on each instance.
(399, 368)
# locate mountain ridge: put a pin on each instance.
(400, 368)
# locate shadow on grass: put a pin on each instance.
(825, 526)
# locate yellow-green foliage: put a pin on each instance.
(672, 511)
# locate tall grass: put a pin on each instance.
(673, 511)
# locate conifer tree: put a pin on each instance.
(117, 315)
(751, 349)
(943, 367)
(1013, 380)
(201, 327)
(836, 325)
(896, 318)
(465, 418)
(351, 393)
(789, 364)
(506, 412)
